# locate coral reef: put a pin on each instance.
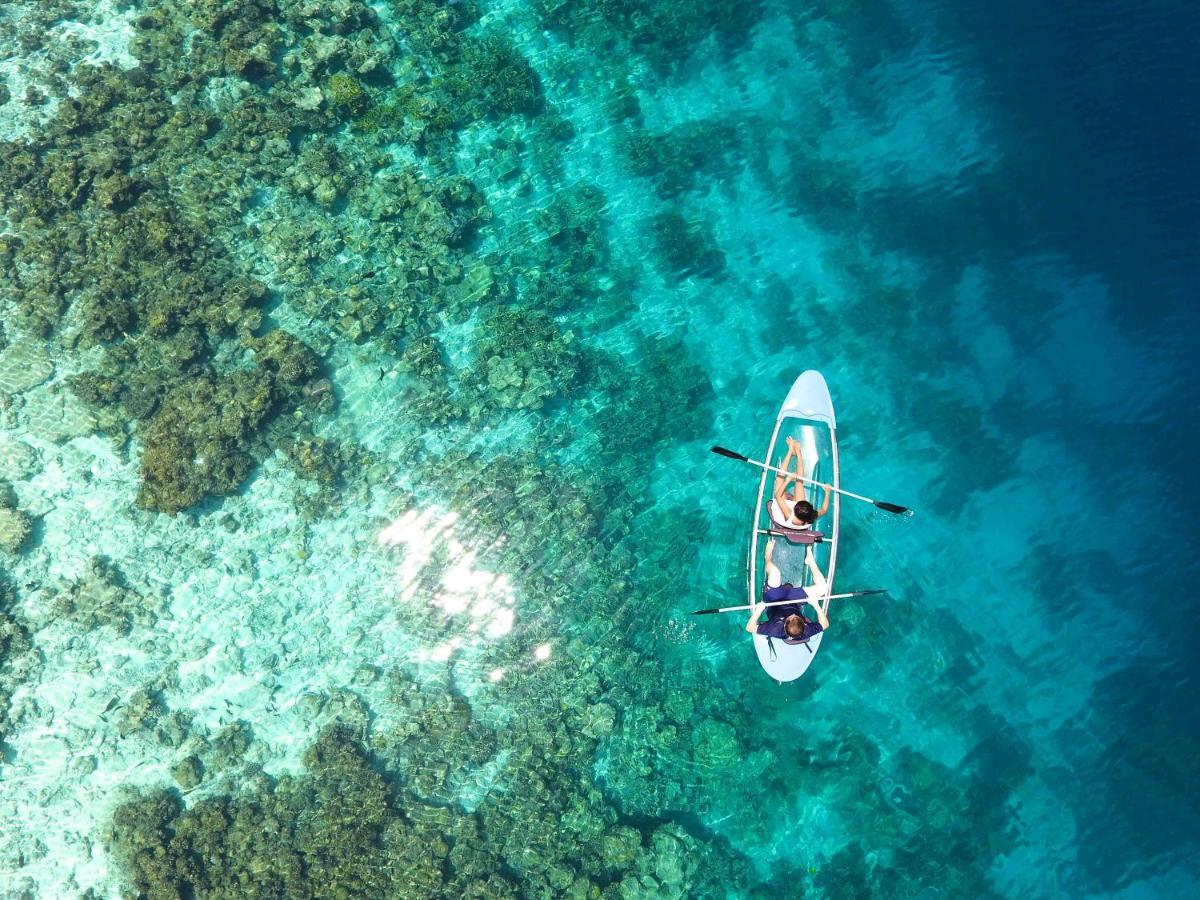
(664, 34)
(101, 598)
(346, 91)
(816, 184)
(664, 394)
(187, 773)
(18, 660)
(523, 359)
(386, 822)
(199, 441)
(149, 168)
(493, 79)
(318, 459)
(572, 267)
(339, 830)
(15, 525)
(691, 154)
(685, 249)
(138, 263)
(481, 77)
(196, 443)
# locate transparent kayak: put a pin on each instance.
(807, 416)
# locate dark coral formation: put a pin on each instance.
(382, 824)
(685, 249)
(685, 157)
(337, 831)
(524, 359)
(200, 440)
(666, 34)
(15, 525)
(18, 659)
(466, 77)
(194, 443)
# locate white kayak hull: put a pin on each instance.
(789, 661)
(807, 415)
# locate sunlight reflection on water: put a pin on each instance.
(433, 552)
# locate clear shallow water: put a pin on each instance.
(974, 228)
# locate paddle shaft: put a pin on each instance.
(795, 477)
(879, 504)
(786, 602)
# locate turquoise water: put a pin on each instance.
(360, 368)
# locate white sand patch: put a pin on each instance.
(110, 29)
(103, 38)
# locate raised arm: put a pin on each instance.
(755, 615)
(824, 504)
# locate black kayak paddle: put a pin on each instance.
(889, 507)
(708, 612)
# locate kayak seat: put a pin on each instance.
(775, 655)
(794, 536)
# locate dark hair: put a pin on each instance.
(793, 626)
(805, 512)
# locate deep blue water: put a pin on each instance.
(1094, 107)
(1100, 102)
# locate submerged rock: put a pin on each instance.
(17, 459)
(102, 598)
(15, 527)
(716, 745)
(187, 773)
(57, 415)
(23, 365)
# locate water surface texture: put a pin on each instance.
(359, 368)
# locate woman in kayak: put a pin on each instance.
(795, 511)
(786, 621)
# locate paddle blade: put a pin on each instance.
(705, 612)
(858, 594)
(721, 451)
(893, 508)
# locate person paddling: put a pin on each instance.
(787, 621)
(794, 511)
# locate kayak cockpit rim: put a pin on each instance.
(756, 532)
(752, 561)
